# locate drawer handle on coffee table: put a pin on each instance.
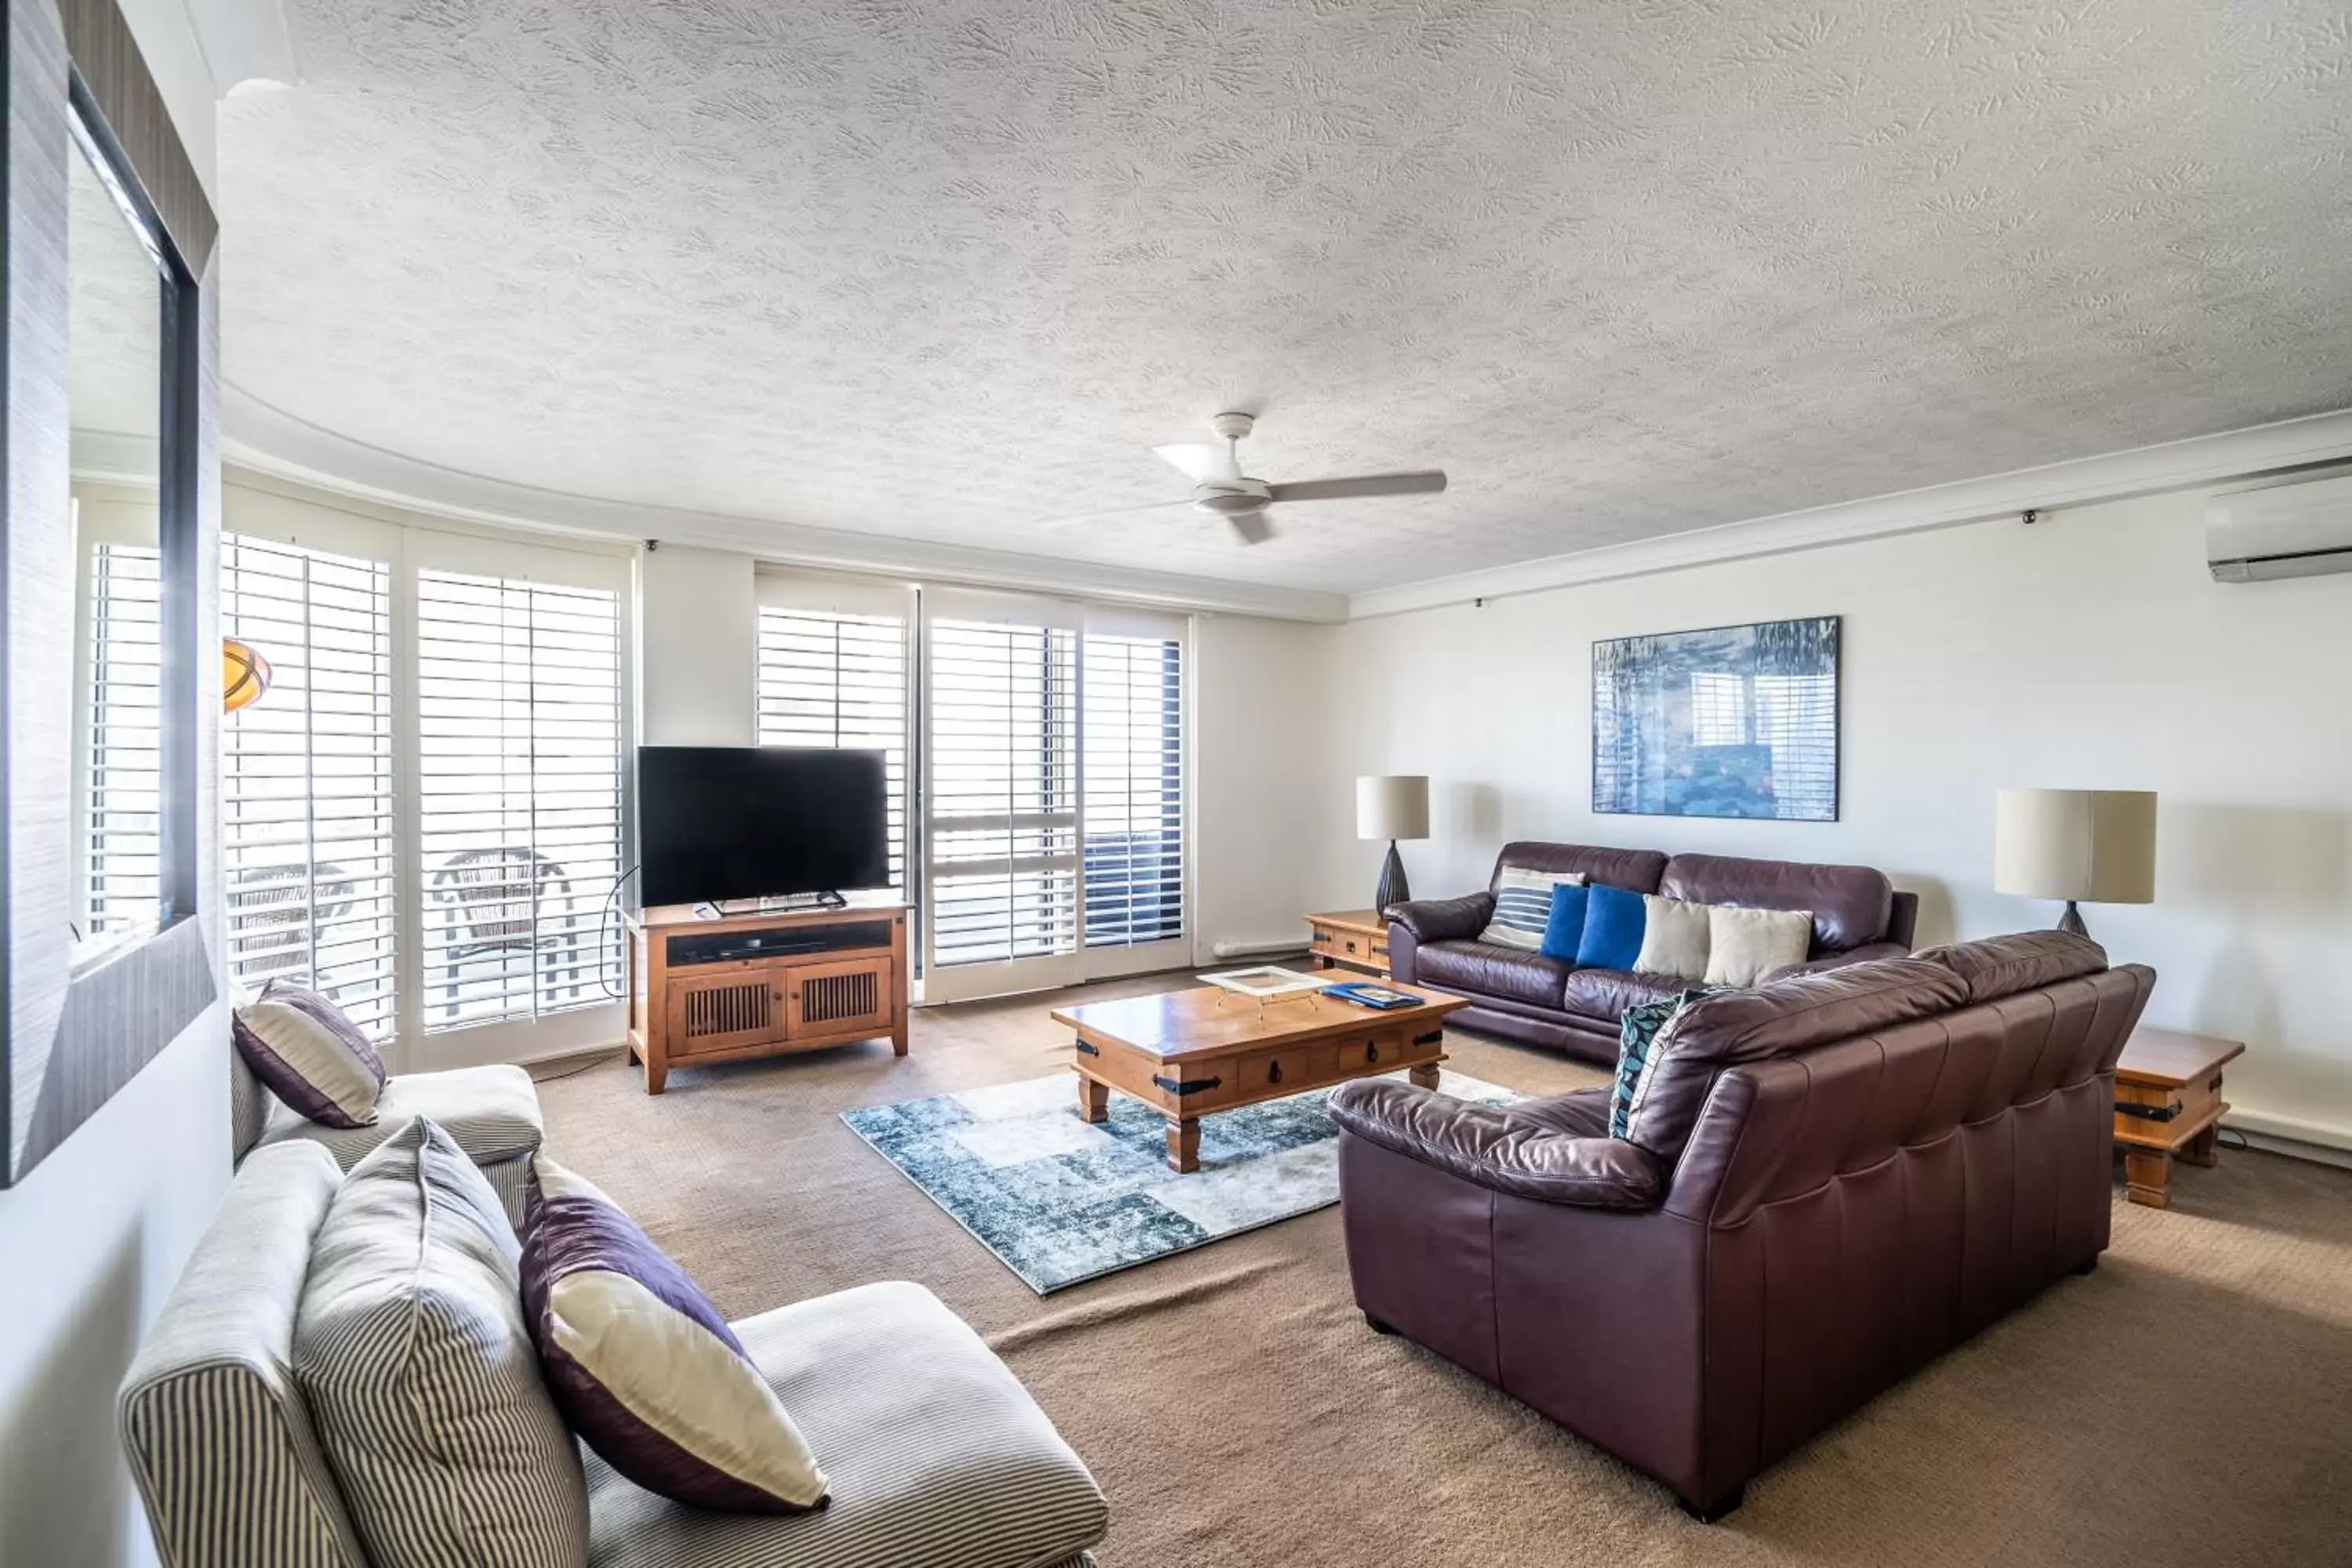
(1087, 1050)
(1372, 1051)
(1434, 1037)
(1189, 1086)
(1273, 1072)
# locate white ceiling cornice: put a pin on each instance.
(270, 441)
(243, 41)
(2145, 471)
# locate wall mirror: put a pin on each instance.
(108, 698)
(119, 287)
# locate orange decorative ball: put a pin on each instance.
(245, 675)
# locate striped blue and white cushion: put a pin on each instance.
(411, 1349)
(937, 1457)
(220, 1444)
(1523, 906)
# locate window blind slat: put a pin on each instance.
(831, 680)
(1134, 751)
(124, 828)
(1005, 858)
(518, 791)
(306, 778)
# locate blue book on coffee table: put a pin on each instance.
(1365, 994)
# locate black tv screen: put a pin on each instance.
(755, 821)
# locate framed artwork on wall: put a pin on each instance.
(1726, 721)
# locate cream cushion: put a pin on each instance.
(644, 1368)
(1745, 945)
(1675, 936)
(311, 1057)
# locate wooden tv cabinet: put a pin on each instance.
(719, 989)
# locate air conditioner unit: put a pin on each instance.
(2288, 527)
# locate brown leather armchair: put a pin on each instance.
(1830, 1180)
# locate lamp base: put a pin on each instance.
(1392, 889)
(2072, 921)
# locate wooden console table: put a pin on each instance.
(2168, 1107)
(715, 989)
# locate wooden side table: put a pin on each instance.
(2168, 1107)
(1350, 938)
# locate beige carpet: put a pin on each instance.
(2190, 1403)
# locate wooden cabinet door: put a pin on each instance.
(742, 1008)
(854, 997)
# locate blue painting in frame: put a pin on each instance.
(1728, 721)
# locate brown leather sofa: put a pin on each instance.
(1541, 1000)
(1850, 1173)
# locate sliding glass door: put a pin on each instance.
(1054, 799)
(1001, 908)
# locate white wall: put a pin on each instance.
(93, 1238)
(1261, 792)
(2089, 650)
(90, 1243)
(697, 637)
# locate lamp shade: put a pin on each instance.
(1392, 806)
(2098, 846)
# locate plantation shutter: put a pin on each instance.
(307, 833)
(519, 804)
(838, 680)
(1002, 807)
(123, 831)
(1133, 726)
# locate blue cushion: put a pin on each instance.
(1613, 922)
(1565, 927)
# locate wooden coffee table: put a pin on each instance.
(1188, 1053)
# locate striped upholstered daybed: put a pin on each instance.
(938, 1458)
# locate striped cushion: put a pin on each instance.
(312, 1057)
(644, 1368)
(220, 1444)
(937, 1457)
(1523, 904)
(411, 1348)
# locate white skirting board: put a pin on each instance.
(1228, 950)
(2284, 1135)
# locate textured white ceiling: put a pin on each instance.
(946, 268)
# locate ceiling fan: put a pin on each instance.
(1222, 490)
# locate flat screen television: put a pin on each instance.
(722, 822)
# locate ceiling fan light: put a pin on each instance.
(1232, 498)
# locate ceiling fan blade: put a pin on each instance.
(1201, 459)
(1078, 518)
(1253, 527)
(1426, 482)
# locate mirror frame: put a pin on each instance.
(73, 1036)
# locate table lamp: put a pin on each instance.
(2095, 846)
(1392, 806)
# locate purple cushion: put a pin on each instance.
(309, 1055)
(643, 1367)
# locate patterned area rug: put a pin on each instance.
(1060, 1202)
